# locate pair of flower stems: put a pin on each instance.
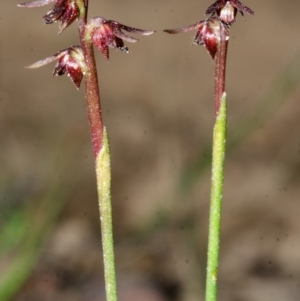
(78, 63)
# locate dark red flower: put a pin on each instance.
(208, 34)
(107, 33)
(227, 9)
(70, 62)
(64, 11)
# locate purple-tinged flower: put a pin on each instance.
(208, 34)
(70, 62)
(227, 9)
(107, 33)
(64, 11)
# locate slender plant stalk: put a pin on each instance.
(103, 173)
(91, 84)
(219, 141)
(218, 158)
(102, 156)
(220, 69)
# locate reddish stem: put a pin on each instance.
(220, 70)
(91, 87)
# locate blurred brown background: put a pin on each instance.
(158, 107)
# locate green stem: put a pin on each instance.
(219, 141)
(103, 173)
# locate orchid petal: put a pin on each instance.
(215, 6)
(37, 3)
(135, 30)
(68, 17)
(118, 33)
(45, 61)
(184, 29)
(241, 7)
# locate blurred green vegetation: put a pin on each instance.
(26, 229)
(26, 223)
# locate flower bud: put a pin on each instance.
(208, 34)
(103, 37)
(227, 13)
(226, 10)
(64, 11)
(70, 62)
(107, 33)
